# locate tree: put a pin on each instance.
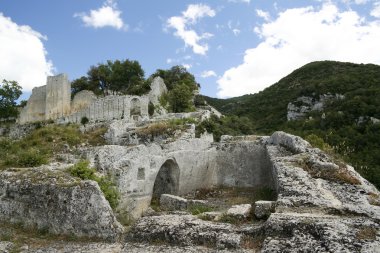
(126, 77)
(181, 86)
(180, 98)
(10, 91)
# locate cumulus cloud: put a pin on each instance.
(299, 36)
(376, 10)
(263, 14)
(107, 15)
(23, 55)
(189, 18)
(208, 73)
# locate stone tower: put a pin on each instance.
(58, 96)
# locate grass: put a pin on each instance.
(198, 209)
(163, 128)
(41, 144)
(83, 171)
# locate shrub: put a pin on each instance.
(151, 109)
(84, 120)
(84, 172)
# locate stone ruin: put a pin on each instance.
(53, 102)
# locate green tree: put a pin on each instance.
(10, 91)
(126, 77)
(181, 86)
(180, 98)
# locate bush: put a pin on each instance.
(151, 109)
(84, 120)
(84, 172)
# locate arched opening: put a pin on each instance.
(135, 107)
(167, 180)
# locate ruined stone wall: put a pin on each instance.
(111, 107)
(58, 96)
(35, 107)
(82, 100)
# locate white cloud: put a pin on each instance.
(263, 14)
(208, 73)
(236, 31)
(239, 1)
(107, 15)
(23, 55)
(187, 66)
(376, 10)
(299, 36)
(191, 16)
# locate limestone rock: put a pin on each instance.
(214, 216)
(185, 230)
(264, 208)
(48, 199)
(170, 202)
(240, 211)
(292, 142)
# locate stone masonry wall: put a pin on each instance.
(109, 108)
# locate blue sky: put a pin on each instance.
(233, 47)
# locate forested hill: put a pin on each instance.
(347, 125)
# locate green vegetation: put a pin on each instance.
(125, 76)
(83, 171)
(339, 130)
(228, 125)
(163, 128)
(198, 209)
(10, 91)
(41, 144)
(181, 86)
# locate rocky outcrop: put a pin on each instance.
(53, 201)
(304, 104)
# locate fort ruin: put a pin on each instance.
(53, 102)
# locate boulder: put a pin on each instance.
(170, 202)
(240, 211)
(263, 209)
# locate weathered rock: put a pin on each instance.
(187, 230)
(170, 202)
(214, 216)
(292, 142)
(264, 208)
(6, 247)
(51, 200)
(240, 211)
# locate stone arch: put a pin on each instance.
(135, 107)
(167, 179)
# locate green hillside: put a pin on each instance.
(346, 126)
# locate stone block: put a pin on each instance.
(170, 202)
(240, 211)
(264, 208)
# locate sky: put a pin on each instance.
(232, 47)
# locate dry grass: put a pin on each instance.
(340, 175)
(374, 199)
(366, 233)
